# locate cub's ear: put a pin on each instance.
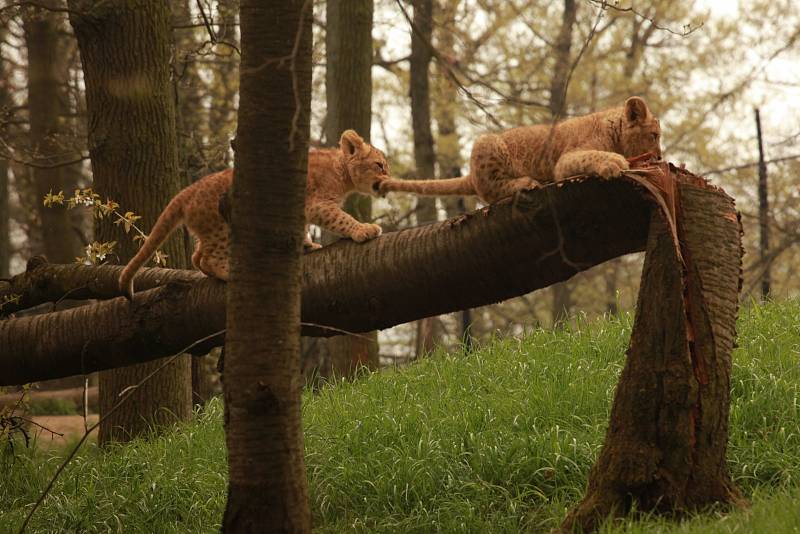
(351, 143)
(636, 109)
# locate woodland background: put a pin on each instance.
(702, 66)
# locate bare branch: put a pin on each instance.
(687, 29)
(748, 165)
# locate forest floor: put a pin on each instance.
(500, 439)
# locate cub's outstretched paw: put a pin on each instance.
(365, 232)
(611, 165)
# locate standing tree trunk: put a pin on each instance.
(424, 153)
(46, 78)
(268, 489)
(125, 51)
(5, 241)
(188, 90)
(562, 292)
(763, 214)
(448, 143)
(667, 436)
(225, 87)
(188, 87)
(5, 244)
(5, 215)
(348, 87)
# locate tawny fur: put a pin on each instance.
(525, 157)
(333, 174)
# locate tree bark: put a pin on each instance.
(125, 51)
(666, 441)
(46, 77)
(348, 93)
(267, 488)
(501, 251)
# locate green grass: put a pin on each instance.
(499, 440)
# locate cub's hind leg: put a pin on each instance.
(214, 262)
(492, 167)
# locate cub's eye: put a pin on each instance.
(379, 165)
(655, 136)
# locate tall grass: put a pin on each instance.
(497, 440)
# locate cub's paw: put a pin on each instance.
(610, 165)
(365, 232)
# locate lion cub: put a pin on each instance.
(522, 158)
(333, 174)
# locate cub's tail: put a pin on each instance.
(170, 218)
(447, 186)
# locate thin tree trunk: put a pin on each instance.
(448, 141)
(46, 77)
(611, 278)
(428, 329)
(763, 214)
(192, 120)
(5, 214)
(348, 89)
(562, 293)
(267, 488)
(667, 436)
(225, 86)
(125, 51)
(5, 243)
(188, 87)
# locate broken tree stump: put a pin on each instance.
(665, 447)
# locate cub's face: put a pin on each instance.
(366, 164)
(368, 169)
(641, 131)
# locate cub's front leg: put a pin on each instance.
(605, 164)
(330, 216)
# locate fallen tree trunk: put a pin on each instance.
(668, 432)
(504, 250)
(44, 282)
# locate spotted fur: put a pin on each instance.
(525, 157)
(333, 174)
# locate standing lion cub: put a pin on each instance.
(522, 158)
(333, 173)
